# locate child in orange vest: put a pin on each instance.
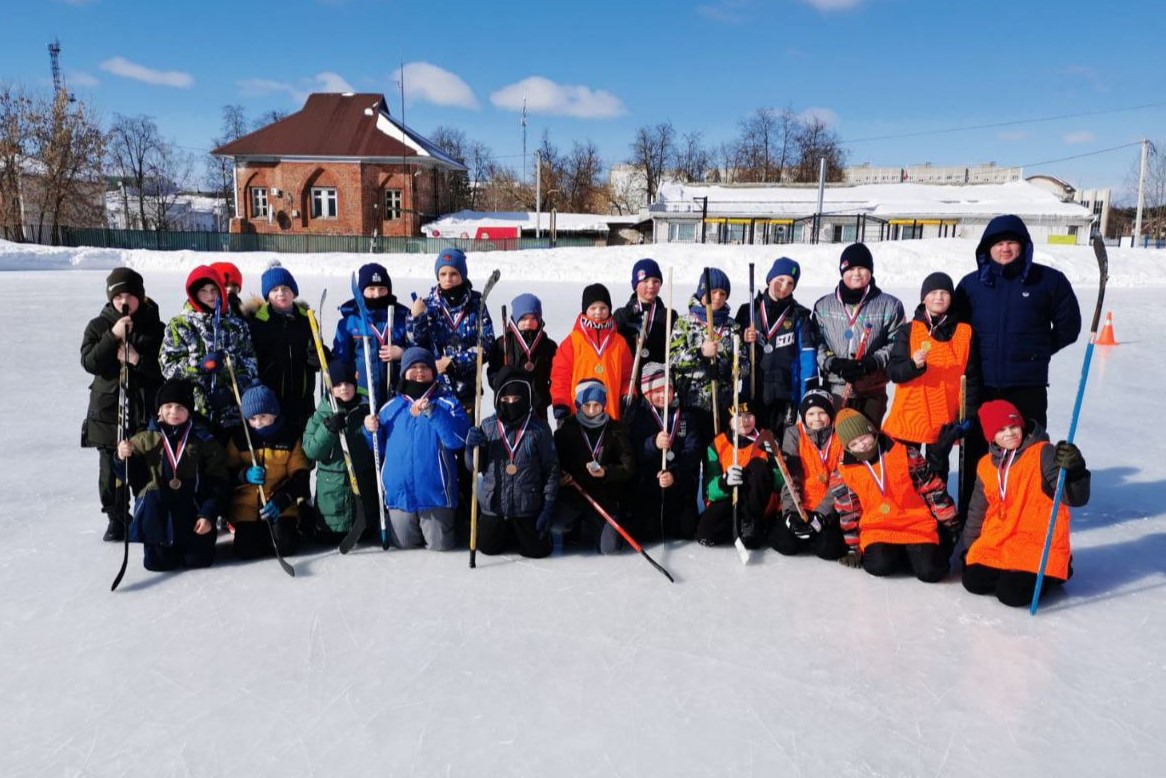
(812, 452)
(596, 350)
(891, 506)
(1009, 510)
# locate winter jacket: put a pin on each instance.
(1021, 313)
(579, 357)
(189, 337)
(165, 516)
(99, 357)
(534, 487)
(692, 373)
(419, 459)
(288, 476)
(452, 331)
(883, 312)
(506, 351)
(1009, 533)
(628, 320)
(616, 457)
(718, 460)
(926, 398)
(348, 344)
(334, 498)
(287, 360)
(812, 458)
(686, 446)
(789, 359)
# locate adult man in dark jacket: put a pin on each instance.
(1021, 314)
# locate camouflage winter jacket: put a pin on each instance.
(694, 373)
(452, 332)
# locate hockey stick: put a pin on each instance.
(859, 353)
(123, 418)
(490, 282)
(752, 346)
(734, 422)
(1103, 272)
(616, 526)
(641, 337)
(370, 382)
(708, 316)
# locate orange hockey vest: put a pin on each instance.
(816, 471)
(724, 448)
(576, 359)
(897, 513)
(928, 402)
(1015, 525)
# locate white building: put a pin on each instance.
(499, 226)
(1096, 200)
(987, 173)
(762, 214)
(187, 213)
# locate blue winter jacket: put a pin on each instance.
(1021, 314)
(349, 345)
(433, 330)
(419, 460)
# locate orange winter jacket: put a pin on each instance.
(896, 514)
(578, 357)
(923, 405)
(815, 470)
(1015, 525)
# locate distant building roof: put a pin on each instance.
(340, 126)
(469, 222)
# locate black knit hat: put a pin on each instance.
(595, 293)
(855, 255)
(176, 390)
(124, 280)
(341, 372)
(941, 281)
(817, 398)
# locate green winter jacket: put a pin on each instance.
(334, 498)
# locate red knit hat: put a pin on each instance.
(995, 415)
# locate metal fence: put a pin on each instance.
(100, 237)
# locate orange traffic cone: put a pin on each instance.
(1105, 337)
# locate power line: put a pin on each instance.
(1012, 123)
(1079, 156)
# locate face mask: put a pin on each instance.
(379, 303)
(414, 389)
(509, 413)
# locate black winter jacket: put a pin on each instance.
(99, 357)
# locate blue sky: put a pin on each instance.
(908, 69)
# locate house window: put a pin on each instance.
(1098, 207)
(681, 232)
(259, 202)
(324, 202)
(392, 204)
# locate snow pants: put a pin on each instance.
(1011, 587)
(756, 505)
(926, 561)
(199, 551)
(499, 534)
(253, 539)
(432, 528)
(827, 544)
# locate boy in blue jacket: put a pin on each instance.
(385, 333)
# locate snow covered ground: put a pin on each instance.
(409, 663)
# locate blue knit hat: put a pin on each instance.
(590, 390)
(416, 354)
(455, 258)
(644, 269)
(526, 305)
(718, 279)
(259, 399)
(373, 274)
(278, 276)
(784, 266)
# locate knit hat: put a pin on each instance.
(416, 354)
(784, 266)
(817, 398)
(644, 269)
(590, 390)
(995, 415)
(855, 255)
(455, 258)
(229, 273)
(124, 280)
(278, 276)
(373, 274)
(341, 372)
(526, 305)
(259, 399)
(176, 390)
(850, 425)
(717, 279)
(936, 281)
(595, 293)
(651, 377)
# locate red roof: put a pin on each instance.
(338, 125)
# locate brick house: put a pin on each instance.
(339, 166)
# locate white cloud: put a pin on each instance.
(1013, 135)
(728, 11)
(80, 78)
(824, 115)
(431, 84)
(1081, 136)
(833, 5)
(547, 97)
(326, 81)
(1087, 74)
(120, 66)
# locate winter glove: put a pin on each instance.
(561, 412)
(1068, 456)
(853, 558)
(220, 398)
(336, 422)
(869, 364)
(849, 370)
(475, 437)
(734, 476)
(951, 432)
(255, 475)
(543, 523)
(949, 534)
(800, 529)
(791, 415)
(270, 512)
(211, 362)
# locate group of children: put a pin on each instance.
(761, 429)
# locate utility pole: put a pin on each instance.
(1141, 191)
(524, 139)
(538, 192)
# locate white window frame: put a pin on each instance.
(260, 208)
(325, 202)
(393, 203)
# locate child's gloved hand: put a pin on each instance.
(255, 475)
(1068, 456)
(269, 512)
(211, 362)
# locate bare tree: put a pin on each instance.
(693, 159)
(169, 176)
(266, 118)
(653, 150)
(15, 110)
(582, 175)
(134, 145)
(220, 172)
(762, 150)
(69, 147)
(814, 141)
